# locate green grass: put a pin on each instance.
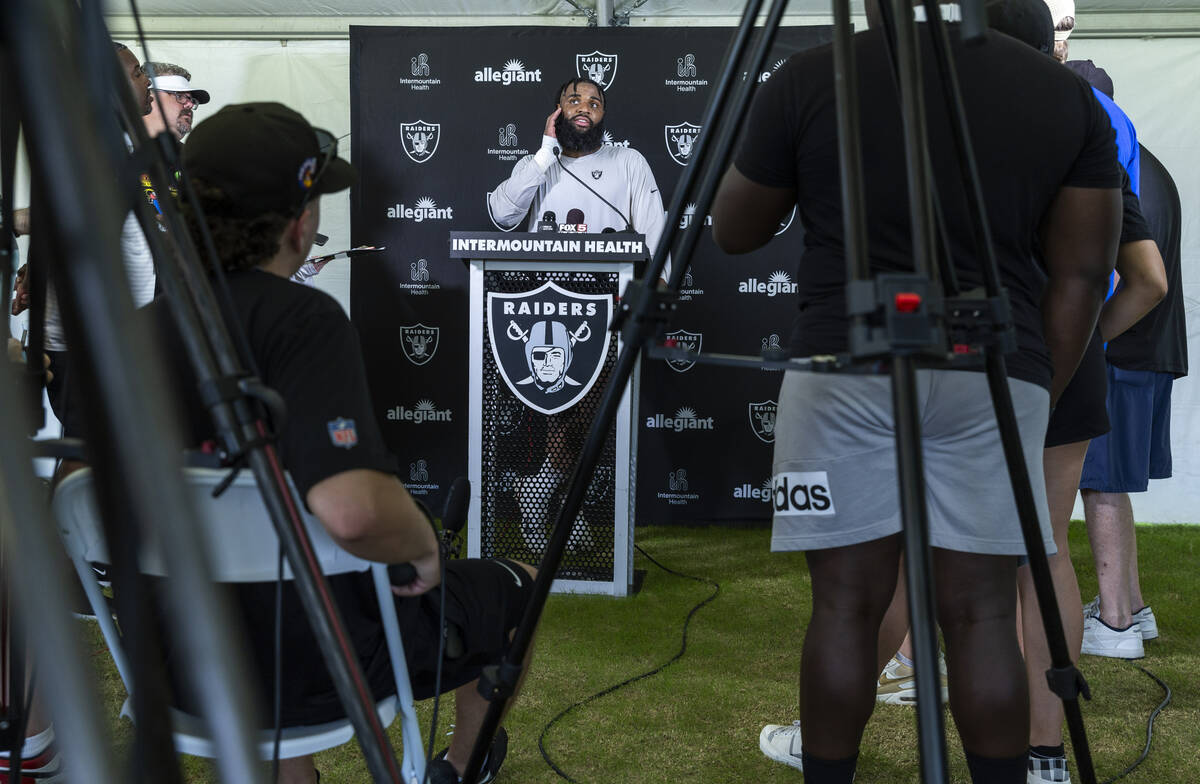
(698, 721)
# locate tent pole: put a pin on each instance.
(605, 13)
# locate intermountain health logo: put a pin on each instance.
(508, 147)
(681, 140)
(420, 139)
(601, 68)
(418, 276)
(678, 492)
(685, 71)
(513, 72)
(419, 482)
(688, 288)
(421, 74)
(419, 342)
(779, 283)
(549, 343)
(425, 209)
(684, 419)
(424, 411)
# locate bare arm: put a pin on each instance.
(1143, 285)
(746, 214)
(1079, 235)
(370, 514)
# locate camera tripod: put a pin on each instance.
(886, 332)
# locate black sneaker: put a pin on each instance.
(442, 772)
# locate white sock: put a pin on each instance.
(34, 744)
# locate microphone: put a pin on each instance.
(458, 502)
(454, 517)
(628, 225)
(574, 216)
(547, 223)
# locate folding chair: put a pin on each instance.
(242, 547)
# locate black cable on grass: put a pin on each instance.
(682, 649)
(1149, 727)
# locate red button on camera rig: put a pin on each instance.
(908, 302)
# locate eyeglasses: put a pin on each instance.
(183, 99)
(327, 148)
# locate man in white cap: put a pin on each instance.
(1063, 15)
(174, 98)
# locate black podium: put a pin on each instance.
(541, 354)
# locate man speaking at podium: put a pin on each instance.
(575, 178)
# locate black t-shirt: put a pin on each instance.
(307, 351)
(1133, 224)
(1035, 127)
(1159, 341)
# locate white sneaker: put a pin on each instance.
(1146, 621)
(897, 684)
(781, 743)
(1144, 618)
(1045, 771)
(1100, 639)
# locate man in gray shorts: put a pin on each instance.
(835, 484)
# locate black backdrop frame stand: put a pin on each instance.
(137, 478)
(904, 342)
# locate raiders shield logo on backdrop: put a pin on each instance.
(420, 139)
(762, 420)
(684, 339)
(420, 342)
(549, 343)
(680, 140)
(601, 68)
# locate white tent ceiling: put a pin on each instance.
(320, 19)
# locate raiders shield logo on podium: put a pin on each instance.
(549, 343)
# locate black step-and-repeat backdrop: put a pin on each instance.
(439, 116)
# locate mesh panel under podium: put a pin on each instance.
(528, 456)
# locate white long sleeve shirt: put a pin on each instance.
(619, 174)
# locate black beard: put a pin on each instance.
(573, 140)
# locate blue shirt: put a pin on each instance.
(1127, 143)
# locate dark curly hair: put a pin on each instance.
(242, 243)
(562, 89)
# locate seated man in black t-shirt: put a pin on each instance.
(257, 169)
(834, 429)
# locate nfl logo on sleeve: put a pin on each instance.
(342, 432)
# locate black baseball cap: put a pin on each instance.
(1028, 21)
(266, 158)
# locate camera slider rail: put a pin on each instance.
(895, 315)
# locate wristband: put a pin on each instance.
(545, 156)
